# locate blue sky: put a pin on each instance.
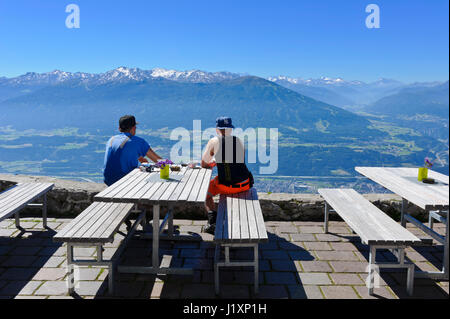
(298, 38)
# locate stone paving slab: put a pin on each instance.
(298, 262)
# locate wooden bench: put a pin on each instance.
(95, 227)
(239, 223)
(375, 228)
(22, 195)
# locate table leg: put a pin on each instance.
(403, 211)
(155, 251)
(444, 240)
(445, 267)
(170, 222)
(157, 267)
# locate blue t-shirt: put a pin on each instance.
(121, 156)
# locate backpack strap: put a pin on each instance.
(124, 142)
(234, 149)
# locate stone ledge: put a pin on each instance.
(69, 198)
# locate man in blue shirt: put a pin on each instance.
(124, 151)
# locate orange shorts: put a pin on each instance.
(216, 188)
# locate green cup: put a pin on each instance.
(164, 172)
(423, 173)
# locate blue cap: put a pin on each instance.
(224, 122)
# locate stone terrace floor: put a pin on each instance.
(299, 261)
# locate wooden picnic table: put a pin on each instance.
(433, 198)
(189, 185)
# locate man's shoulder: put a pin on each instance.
(213, 141)
(139, 142)
(138, 139)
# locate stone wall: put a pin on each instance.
(69, 198)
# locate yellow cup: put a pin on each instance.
(164, 172)
(423, 173)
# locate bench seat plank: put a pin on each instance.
(370, 223)
(20, 195)
(97, 223)
(240, 219)
(243, 217)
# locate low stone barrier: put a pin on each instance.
(69, 198)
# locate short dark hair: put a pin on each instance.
(126, 123)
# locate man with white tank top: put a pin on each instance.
(227, 152)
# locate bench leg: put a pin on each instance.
(111, 279)
(170, 221)
(371, 279)
(256, 269)
(327, 213)
(17, 216)
(403, 212)
(216, 268)
(70, 270)
(445, 265)
(155, 251)
(410, 280)
(44, 211)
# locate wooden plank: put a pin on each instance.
(119, 219)
(434, 193)
(161, 190)
(172, 186)
(83, 219)
(189, 185)
(80, 220)
(13, 189)
(203, 192)
(240, 219)
(262, 233)
(105, 219)
(131, 186)
(393, 185)
(403, 182)
(145, 186)
(148, 194)
(236, 226)
(112, 224)
(94, 218)
(196, 187)
(21, 201)
(164, 192)
(128, 180)
(180, 187)
(370, 223)
(252, 226)
(17, 197)
(229, 219)
(18, 192)
(106, 193)
(245, 233)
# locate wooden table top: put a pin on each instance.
(403, 182)
(187, 185)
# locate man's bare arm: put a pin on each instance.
(211, 153)
(153, 156)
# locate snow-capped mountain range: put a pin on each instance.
(121, 74)
(328, 82)
(334, 91)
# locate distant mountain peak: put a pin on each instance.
(122, 74)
